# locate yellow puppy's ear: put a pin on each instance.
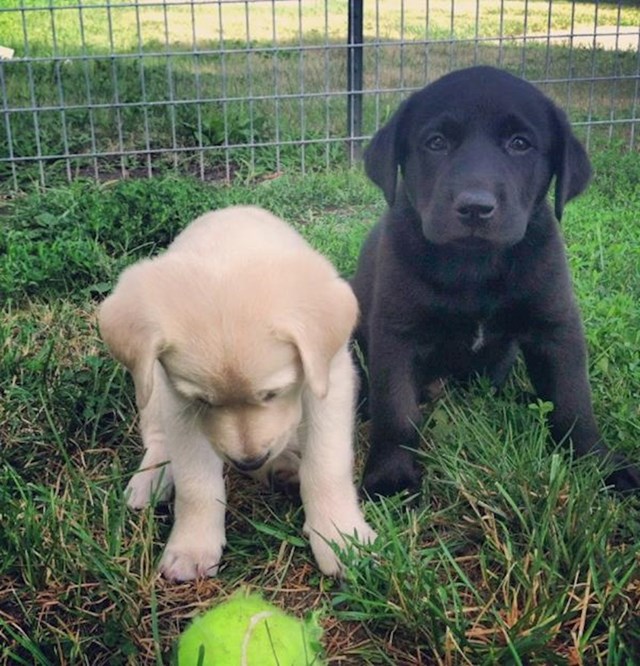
(320, 327)
(132, 338)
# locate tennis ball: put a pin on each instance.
(246, 630)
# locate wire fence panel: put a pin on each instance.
(250, 88)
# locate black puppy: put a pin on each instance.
(467, 266)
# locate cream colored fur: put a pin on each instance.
(236, 338)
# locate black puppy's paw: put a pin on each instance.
(392, 474)
(625, 477)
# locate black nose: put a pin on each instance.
(250, 464)
(475, 207)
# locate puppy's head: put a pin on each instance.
(238, 353)
(477, 150)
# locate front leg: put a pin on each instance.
(197, 538)
(556, 360)
(327, 487)
(195, 545)
(395, 414)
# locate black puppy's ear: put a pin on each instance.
(381, 158)
(572, 166)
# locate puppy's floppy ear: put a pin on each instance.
(132, 338)
(319, 328)
(571, 164)
(382, 158)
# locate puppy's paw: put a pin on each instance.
(321, 538)
(625, 477)
(190, 559)
(326, 558)
(399, 471)
(148, 484)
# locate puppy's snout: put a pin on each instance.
(475, 207)
(250, 464)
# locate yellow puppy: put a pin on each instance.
(236, 338)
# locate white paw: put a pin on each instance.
(321, 537)
(148, 484)
(189, 559)
(326, 558)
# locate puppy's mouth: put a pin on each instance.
(249, 463)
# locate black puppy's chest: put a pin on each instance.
(461, 343)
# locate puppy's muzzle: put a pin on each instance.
(475, 208)
(250, 464)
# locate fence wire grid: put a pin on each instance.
(250, 88)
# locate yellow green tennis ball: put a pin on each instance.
(246, 630)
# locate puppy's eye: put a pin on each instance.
(436, 143)
(203, 402)
(268, 396)
(519, 144)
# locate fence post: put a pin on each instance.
(354, 80)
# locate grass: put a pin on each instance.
(225, 92)
(513, 553)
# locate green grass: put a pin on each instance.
(145, 102)
(513, 554)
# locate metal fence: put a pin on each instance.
(248, 88)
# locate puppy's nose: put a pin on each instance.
(250, 464)
(475, 207)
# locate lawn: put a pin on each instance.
(512, 554)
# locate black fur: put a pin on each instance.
(467, 266)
